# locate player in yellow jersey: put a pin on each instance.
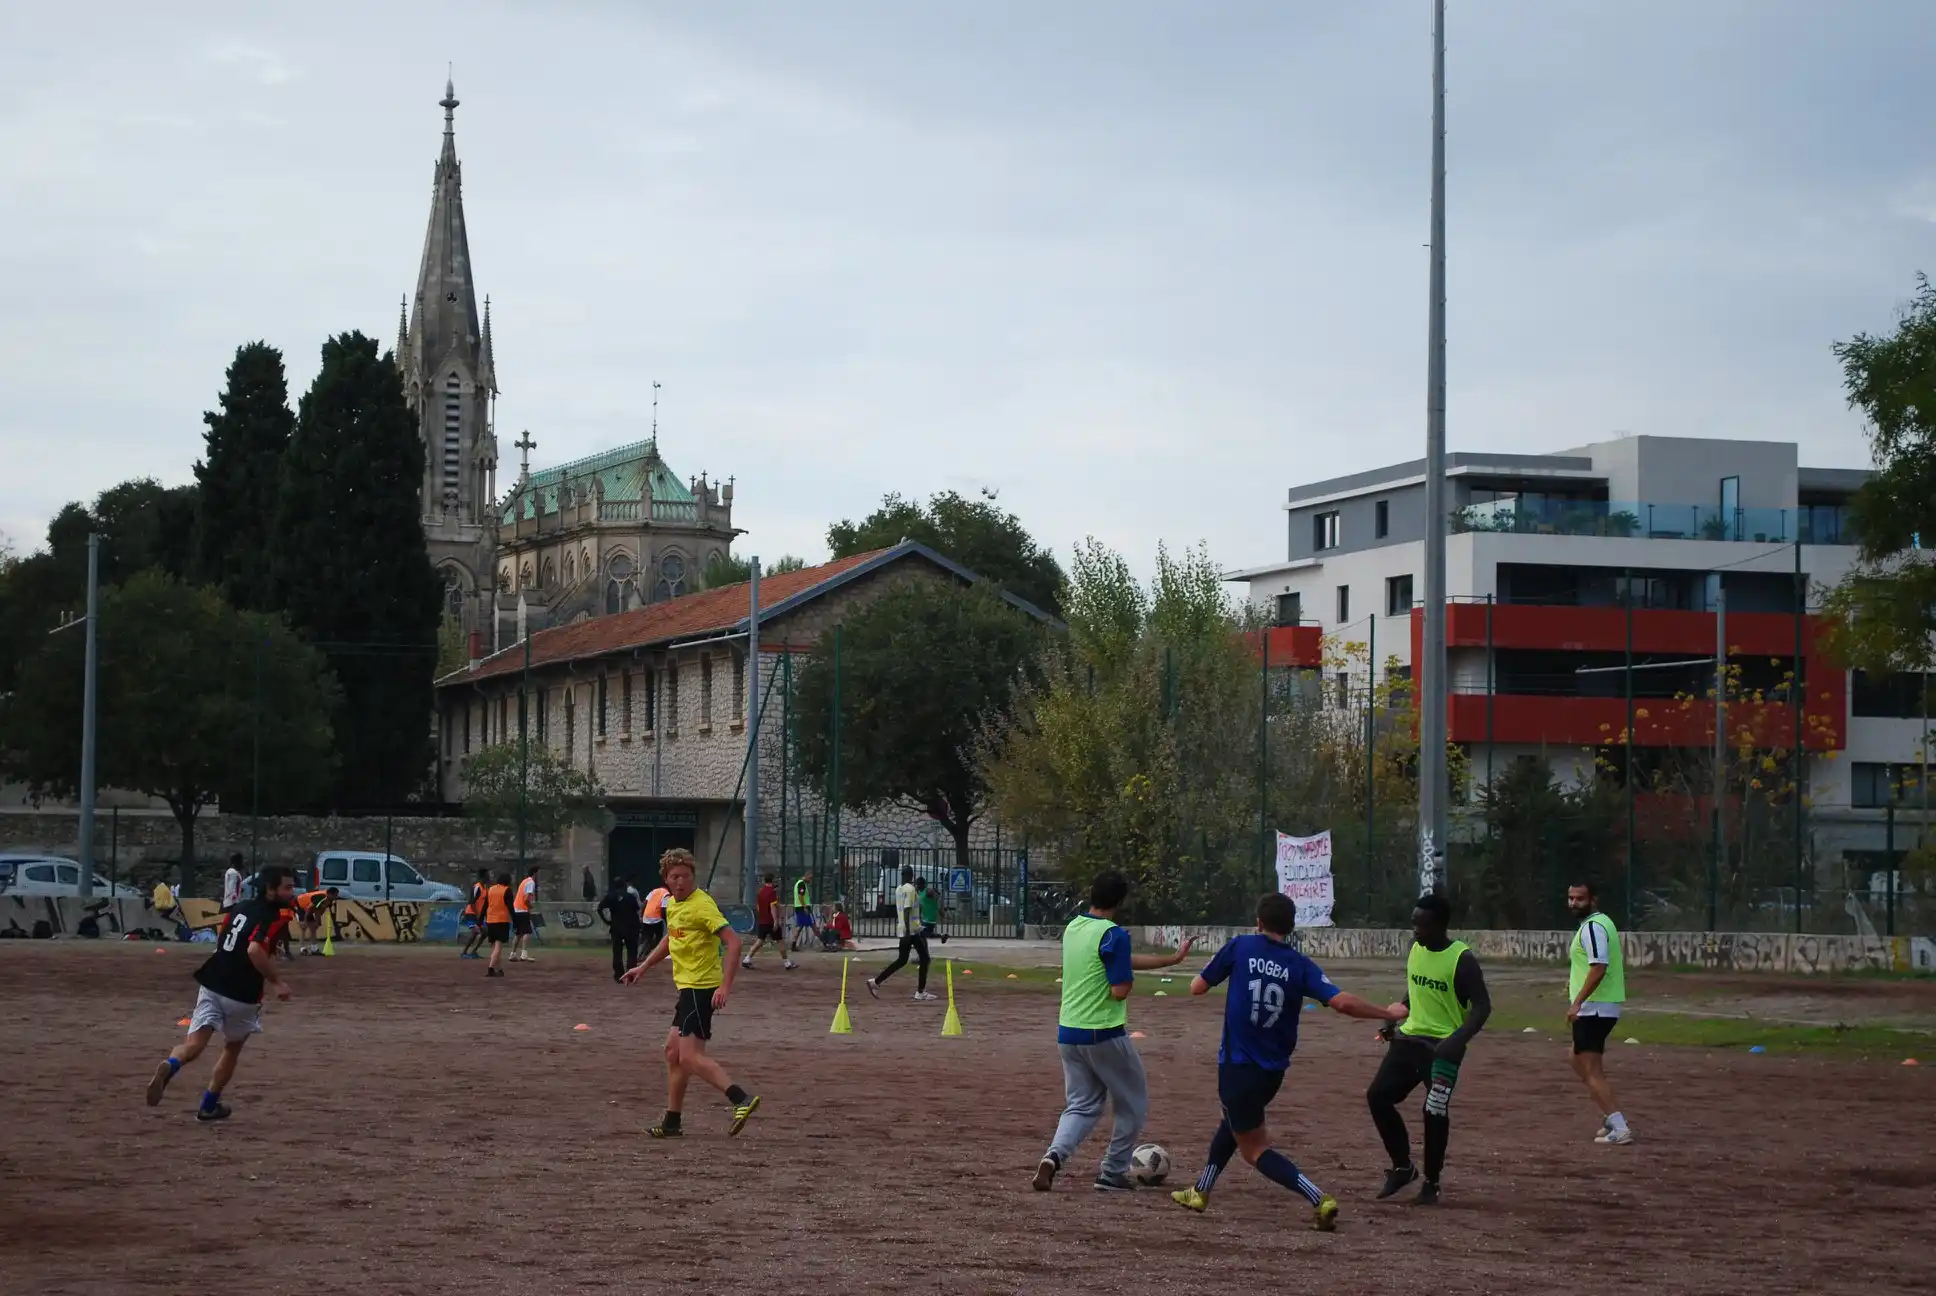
(695, 930)
(1446, 1004)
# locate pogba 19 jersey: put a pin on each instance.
(228, 972)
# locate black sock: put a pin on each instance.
(736, 1095)
(671, 1120)
(1223, 1146)
(1438, 1131)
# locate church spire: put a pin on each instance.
(403, 335)
(490, 360)
(445, 325)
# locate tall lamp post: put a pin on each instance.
(1433, 788)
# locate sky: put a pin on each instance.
(1137, 266)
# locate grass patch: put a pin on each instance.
(1877, 1043)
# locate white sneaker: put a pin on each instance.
(746, 963)
(1616, 1137)
(924, 997)
(789, 965)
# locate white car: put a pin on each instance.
(53, 875)
(359, 875)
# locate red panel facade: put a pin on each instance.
(1299, 645)
(1592, 721)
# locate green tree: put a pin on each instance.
(555, 795)
(976, 533)
(241, 477)
(143, 526)
(351, 571)
(1885, 609)
(731, 569)
(1542, 836)
(190, 690)
(1136, 747)
(923, 670)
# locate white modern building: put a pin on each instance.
(1561, 566)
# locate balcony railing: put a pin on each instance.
(1821, 524)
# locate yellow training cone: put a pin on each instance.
(329, 935)
(842, 1025)
(951, 1024)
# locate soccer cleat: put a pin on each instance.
(219, 1112)
(1114, 1181)
(1190, 1199)
(922, 996)
(1045, 1173)
(873, 989)
(665, 1131)
(159, 1084)
(746, 962)
(743, 1113)
(1615, 1137)
(1324, 1216)
(789, 965)
(1397, 1179)
(1428, 1194)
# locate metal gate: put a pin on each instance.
(988, 898)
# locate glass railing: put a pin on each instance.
(1550, 515)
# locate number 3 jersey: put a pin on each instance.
(1269, 982)
(228, 972)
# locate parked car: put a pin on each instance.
(359, 875)
(53, 875)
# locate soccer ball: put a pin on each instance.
(1150, 1164)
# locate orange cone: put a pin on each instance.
(581, 1026)
(183, 1022)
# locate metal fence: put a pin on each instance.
(986, 896)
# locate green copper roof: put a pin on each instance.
(623, 473)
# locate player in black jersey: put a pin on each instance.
(230, 997)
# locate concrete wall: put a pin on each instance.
(1717, 951)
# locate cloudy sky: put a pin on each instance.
(1138, 265)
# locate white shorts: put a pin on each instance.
(236, 1020)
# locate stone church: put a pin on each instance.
(603, 534)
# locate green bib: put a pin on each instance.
(800, 893)
(1436, 1010)
(1086, 1001)
(1613, 986)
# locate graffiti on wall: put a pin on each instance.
(390, 921)
(1710, 951)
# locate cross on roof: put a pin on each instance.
(527, 445)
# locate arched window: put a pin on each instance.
(524, 576)
(614, 598)
(571, 568)
(453, 595)
(550, 576)
(672, 578)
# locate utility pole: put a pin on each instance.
(88, 706)
(751, 830)
(1433, 788)
(1720, 751)
(524, 745)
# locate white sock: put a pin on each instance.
(1617, 1123)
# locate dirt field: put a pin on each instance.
(404, 1125)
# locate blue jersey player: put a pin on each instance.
(1269, 982)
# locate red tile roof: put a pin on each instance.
(713, 611)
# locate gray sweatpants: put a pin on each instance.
(1090, 1073)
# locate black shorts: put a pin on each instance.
(1245, 1089)
(693, 1014)
(1590, 1033)
(769, 931)
(499, 932)
(521, 922)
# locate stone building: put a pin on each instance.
(653, 702)
(613, 531)
(605, 534)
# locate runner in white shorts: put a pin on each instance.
(231, 982)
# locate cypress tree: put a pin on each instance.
(242, 476)
(351, 570)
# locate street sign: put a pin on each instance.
(961, 881)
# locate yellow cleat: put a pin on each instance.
(1324, 1218)
(1191, 1199)
(742, 1113)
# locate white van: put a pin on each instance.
(53, 875)
(359, 875)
